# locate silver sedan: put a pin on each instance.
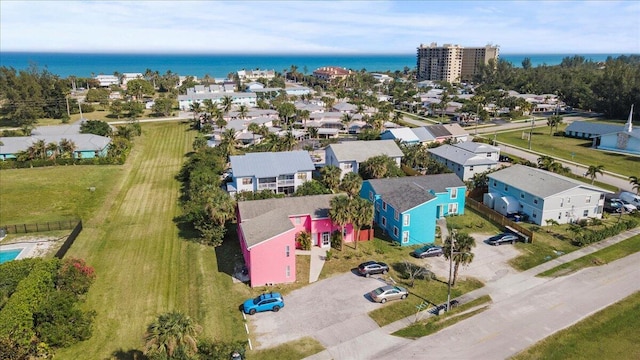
(388, 292)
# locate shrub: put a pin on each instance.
(75, 276)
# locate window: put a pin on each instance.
(347, 166)
(396, 215)
(560, 215)
(453, 208)
(506, 188)
(585, 213)
(344, 232)
(568, 200)
(302, 176)
(384, 221)
(395, 231)
(488, 154)
(495, 184)
(471, 168)
(521, 195)
(535, 215)
(288, 271)
(287, 250)
(378, 206)
(405, 237)
(406, 220)
(371, 195)
(535, 201)
(384, 206)
(588, 199)
(454, 193)
(247, 181)
(297, 221)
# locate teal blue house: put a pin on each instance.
(407, 208)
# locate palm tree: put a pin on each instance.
(67, 147)
(346, 120)
(313, 132)
(462, 255)
(546, 162)
(227, 103)
(375, 167)
(351, 183)
(254, 129)
(242, 111)
(289, 141)
(171, 333)
(397, 117)
(593, 171)
(635, 182)
(196, 109)
(228, 142)
(219, 117)
(340, 214)
(51, 149)
(304, 116)
(39, 149)
(362, 211)
(331, 177)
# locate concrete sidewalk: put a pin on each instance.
(504, 289)
(318, 256)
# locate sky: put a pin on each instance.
(313, 27)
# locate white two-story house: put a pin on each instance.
(543, 195)
(350, 154)
(467, 159)
(280, 172)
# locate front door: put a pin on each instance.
(325, 239)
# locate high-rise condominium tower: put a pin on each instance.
(452, 63)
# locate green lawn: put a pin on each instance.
(600, 257)
(293, 350)
(563, 147)
(609, 334)
(54, 193)
(144, 264)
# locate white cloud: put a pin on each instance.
(318, 26)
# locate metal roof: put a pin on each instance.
(538, 182)
(461, 156)
(270, 164)
(261, 220)
(83, 142)
(360, 151)
(596, 129)
(476, 147)
(404, 193)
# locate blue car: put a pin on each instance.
(265, 302)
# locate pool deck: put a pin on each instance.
(29, 249)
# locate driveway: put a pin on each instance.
(325, 310)
(489, 264)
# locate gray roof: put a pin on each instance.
(476, 147)
(83, 142)
(438, 131)
(261, 220)
(461, 156)
(589, 127)
(423, 134)
(404, 193)
(216, 96)
(538, 182)
(69, 129)
(360, 151)
(344, 106)
(269, 164)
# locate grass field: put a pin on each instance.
(144, 267)
(563, 147)
(609, 334)
(54, 193)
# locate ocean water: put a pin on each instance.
(220, 65)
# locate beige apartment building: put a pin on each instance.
(452, 63)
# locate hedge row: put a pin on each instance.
(16, 317)
(14, 164)
(587, 237)
(12, 273)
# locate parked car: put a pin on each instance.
(372, 267)
(265, 302)
(388, 292)
(628, 207)
(630, 198)
(504, 238)
(613, 206)
(427, 251)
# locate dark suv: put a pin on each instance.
(372, 267)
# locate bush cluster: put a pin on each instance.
(40, 306)
(586, 237)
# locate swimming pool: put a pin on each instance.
(8, 255)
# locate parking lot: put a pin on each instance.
(335, 309)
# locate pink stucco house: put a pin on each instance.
(267, 231)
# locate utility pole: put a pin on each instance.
(477, 118)
(533, 120)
